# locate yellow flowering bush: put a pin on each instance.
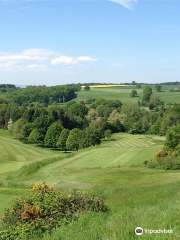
(44, 209)
(43, 188)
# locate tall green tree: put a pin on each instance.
(73, 139)
(172, 138)
(17, 126)
(155, 99)
(33, 137)
(53, 134)
(147, 91)
(42, 123)
(61, 143)
(107, 133)
(25, 131)
(89, 137)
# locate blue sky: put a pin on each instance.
(59, 42)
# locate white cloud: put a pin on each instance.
(7, 64)
(63, 59)
(37, 59)
(129, 4)
(117, 64)
(35, 66)
(27, 55)
(38, 52)
(19, 57)
(85, 58)
(70, 60)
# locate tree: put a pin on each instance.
(92, 115)
(137, 127)
(158, 87)
(99, 125)
(77, 109)
(107, 133)
(25, 131)
(172, 138)
(115, 115)
(89, 137)
(52, 135)
(131, 108)
(73, 139)
(87, 88)
(61, 143)
(42, 123)
(119, 126)
(145, 123)
(33, 137)
(103, 110)
(133, 83)
(147, 91)
(133, 93)
(17, 126)
(155, 99)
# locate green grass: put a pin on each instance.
(170, 97)
(123, 94)
(14, 154)
(136, 196)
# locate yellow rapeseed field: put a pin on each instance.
(105, 86)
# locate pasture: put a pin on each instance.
(123, 94)
(136, 196)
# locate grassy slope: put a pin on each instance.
(13, 156)
(123, 94)
(136, 196)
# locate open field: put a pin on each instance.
(136, 196)
(107, 86)
(123, 94)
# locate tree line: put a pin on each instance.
(92, 120)
(34, 95)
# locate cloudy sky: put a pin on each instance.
(71, 41)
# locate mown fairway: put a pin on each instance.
(136, 196)
(123, 94)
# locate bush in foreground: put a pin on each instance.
(44, 209)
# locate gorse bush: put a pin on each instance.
(44, 209)
(165, 160)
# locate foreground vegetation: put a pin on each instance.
(44, 209)
(135, 195)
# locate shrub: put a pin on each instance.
(167, 161)
(159, 155)
(44, 209)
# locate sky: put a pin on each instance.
(71, 41)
